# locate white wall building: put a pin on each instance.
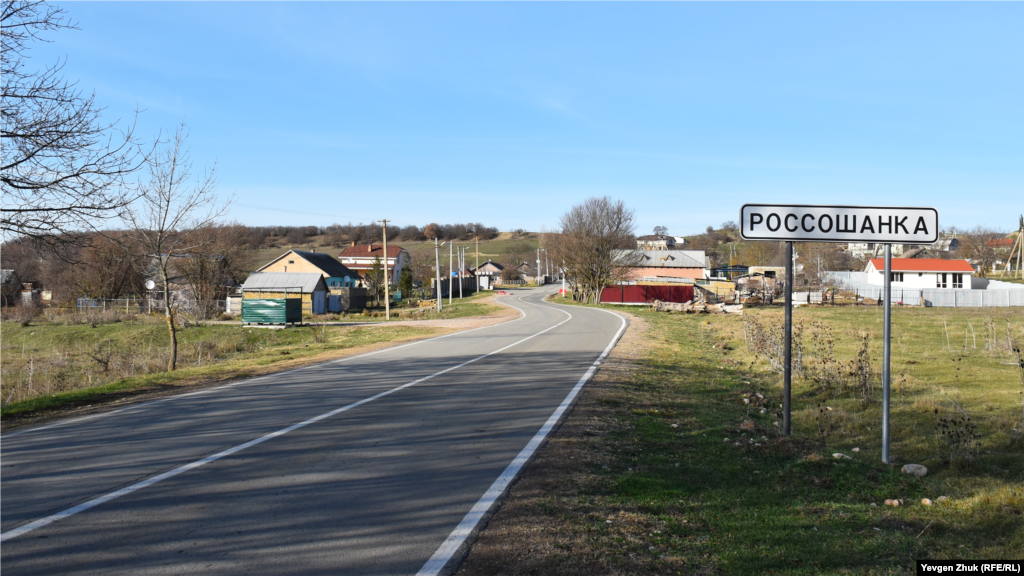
(922, 273)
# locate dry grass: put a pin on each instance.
(668, 466)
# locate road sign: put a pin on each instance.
(808, 223)
(886, 225)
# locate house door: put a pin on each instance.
(318, 302)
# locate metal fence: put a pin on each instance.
(147, 305)
(994, 293)
(937, 297)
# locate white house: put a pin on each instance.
(868, 249)
(922, 273)
(360, 259)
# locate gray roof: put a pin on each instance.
(291, 281)
(672, 259)
(5, 275)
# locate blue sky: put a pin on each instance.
(509, 114)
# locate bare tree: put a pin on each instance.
(979, 246)
(62, 168)
(759, 253)
(167, 216)
(596, 245)
(660, 230)
(516, 254)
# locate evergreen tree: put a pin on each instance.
(405, 282)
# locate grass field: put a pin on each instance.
(677, 466)
(49, 366)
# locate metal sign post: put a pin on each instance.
(787, 385)
(812, 223)
(886, 344)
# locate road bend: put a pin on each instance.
(373, 464)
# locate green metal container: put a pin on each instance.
(272, 311)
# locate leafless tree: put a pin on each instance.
(760, 253)
(168, 215)
(63, 169)
(978, 246)
(516, 253)
(596, 245)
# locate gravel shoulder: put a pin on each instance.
(521, 537)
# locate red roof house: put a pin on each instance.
(360, 257)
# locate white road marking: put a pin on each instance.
(469, 523)
(21, 530)
(248, 381)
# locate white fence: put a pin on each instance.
(997, 294)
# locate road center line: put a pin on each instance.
(248, 381)
(21, 530)
(457, 539)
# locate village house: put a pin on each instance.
(359, 258)
(872, 250)
(658, 242)
(678, 264)
(489, 274)
(922, 273)
(336, 275)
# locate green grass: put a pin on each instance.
(64, 374)
(469, 305)
(785, 505)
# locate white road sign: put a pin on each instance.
(877, 224)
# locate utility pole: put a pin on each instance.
(437, 271)
(462, 266)
(451, 268)
(476, 271)
(538, 267)
(387, 279)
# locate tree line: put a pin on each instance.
(339, 235)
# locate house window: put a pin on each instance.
(291, 261)
(769, 274)
(958, 280)
(896, 276)
(940, 280)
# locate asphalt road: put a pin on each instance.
(283, 475)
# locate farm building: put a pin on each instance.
(922, 273)
(775, 272)
(336, 275)
(669, 264)
(308, 286)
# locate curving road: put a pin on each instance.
(375, 464)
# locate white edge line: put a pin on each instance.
(26, 528)
(248, 381)
(479, 511)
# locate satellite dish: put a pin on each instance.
(150, 284)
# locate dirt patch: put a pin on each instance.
(523, 537)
